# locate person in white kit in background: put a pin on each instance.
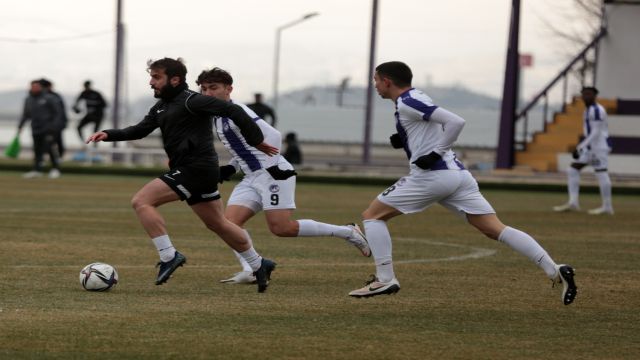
(593, 150)
(427, 132)
(268, 183)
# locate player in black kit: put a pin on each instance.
(94, 105)
(184, 118)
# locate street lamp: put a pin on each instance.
(276, 63)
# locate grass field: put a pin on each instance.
(463, 296)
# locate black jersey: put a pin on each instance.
(187, 133)
(45, 113)
(93, 101)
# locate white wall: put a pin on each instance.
(624, 125)
(621, 164)
(618, 73)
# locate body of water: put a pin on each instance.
(347, 124)
(322, 123)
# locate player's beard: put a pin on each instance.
(168, 92)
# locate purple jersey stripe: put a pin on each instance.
(239, 147)
(420, 106)
(403, 135)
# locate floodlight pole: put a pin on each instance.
(118, 67)
(366, 143)
(276, 61)
(505, 154)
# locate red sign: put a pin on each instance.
(526, 60)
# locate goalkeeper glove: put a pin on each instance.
(279, 174)
(396, 141)
(226, 172)
(425, 162)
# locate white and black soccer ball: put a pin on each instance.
(98, 277)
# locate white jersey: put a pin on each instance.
(596, 128)
(244, 156)
(425, 127)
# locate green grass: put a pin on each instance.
(493, 307)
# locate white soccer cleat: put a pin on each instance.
(358, 240)
(601, 211)
(242, 277)
(566, 207)
(564, 276)
(374, 287)
(54, 174)
(32, 174)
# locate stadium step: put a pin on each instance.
(560, 136)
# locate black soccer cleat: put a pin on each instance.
(263, 274)
(569, 288)
(167, 268)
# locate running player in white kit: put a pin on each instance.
(427, 132)
(269, 182)
(593, 150)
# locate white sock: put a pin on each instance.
(573, 179)
(380, 243)
(314, 228)
(243, 262)
(165, 248)
(605, 189)
(252, 258)
(524, 244)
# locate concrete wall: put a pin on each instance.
(619, 164)
(618, 74)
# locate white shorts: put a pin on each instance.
(456, 190)
(259, 191)
(598, 159)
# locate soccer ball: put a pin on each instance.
(98, 277)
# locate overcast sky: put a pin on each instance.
(449, 42)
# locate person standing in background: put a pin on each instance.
(94, 105)
(264, 111)
(593, 150)
(59, 141)
(45, 113)
(292, 152)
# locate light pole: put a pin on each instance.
(276, 62)
(118, 67)
(366, 143)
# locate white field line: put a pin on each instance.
(471, 252)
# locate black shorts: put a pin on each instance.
(193, 184)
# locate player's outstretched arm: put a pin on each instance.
(97, 137)
(267, 149)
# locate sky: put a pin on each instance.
(453, 42)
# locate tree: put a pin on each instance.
(590, 15)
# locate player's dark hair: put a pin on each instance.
(590, 88)
(45, 83)
(215, 75)
(398, 72)
(171, 67)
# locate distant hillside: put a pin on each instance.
(454, 97)
(12, 101)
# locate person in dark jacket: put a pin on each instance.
(48, 86)
(292, 152)
(184, 118)
(45, 113)
(263, 110)
(94, 104)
